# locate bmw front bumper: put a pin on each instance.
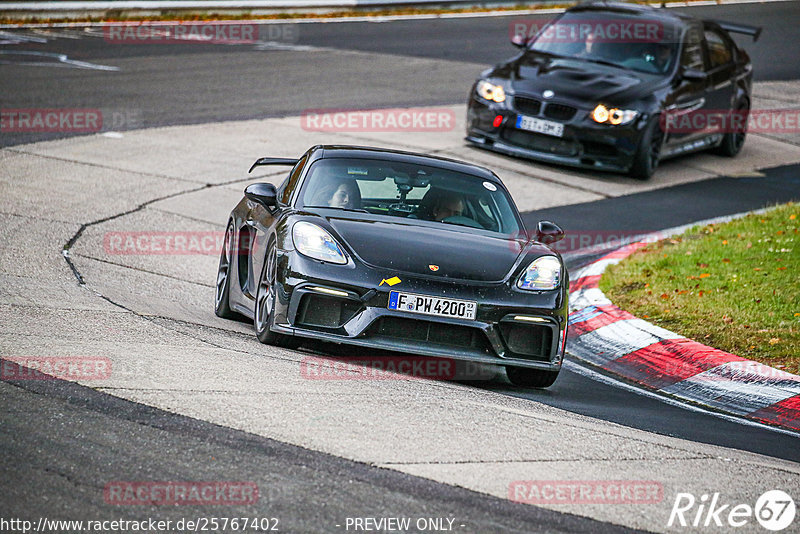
(584, 144)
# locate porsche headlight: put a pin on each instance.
(541, 275)
(603, 115)
(491, 92)
(312, 241)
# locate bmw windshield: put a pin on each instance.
(630, 42)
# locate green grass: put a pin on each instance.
(733, 286)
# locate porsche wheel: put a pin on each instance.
(265, 303)
(732, 142)
(221, 300)
(531, 378)
(647, 156)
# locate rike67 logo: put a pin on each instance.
(774, 510)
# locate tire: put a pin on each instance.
(222, 294)
(264, 311)
(647, 155)
(531, 378)
(732, 142)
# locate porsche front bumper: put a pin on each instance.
(348, 304)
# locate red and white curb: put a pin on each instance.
(613, 340)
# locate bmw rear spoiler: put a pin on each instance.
(274, 161)
(734, 27)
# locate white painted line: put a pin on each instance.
(61, 60)
(743, 395)
(617, 339)
(587, 297)
(599, 267)
(583, 370)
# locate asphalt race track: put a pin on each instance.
(320, 455)
(342, 65)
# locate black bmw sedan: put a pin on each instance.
(617, 87)
(396, 251)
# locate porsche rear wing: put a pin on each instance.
(735, 27)
(273, 161)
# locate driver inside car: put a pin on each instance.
(342, 193)
(439, 205)
(448, 205)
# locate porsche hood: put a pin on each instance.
(426, 250)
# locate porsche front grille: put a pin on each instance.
(529, 342)
(325, 312)
(430, 332)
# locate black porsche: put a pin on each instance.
(617, 87)
(396, 251)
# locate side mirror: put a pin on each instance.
(693, 75)
(519, 40)
(548, 232)
(264, 194)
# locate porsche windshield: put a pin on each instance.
(631, 42)
(410, 191)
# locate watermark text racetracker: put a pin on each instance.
(143, 243)
(591, 240)
(68, 120)
(586, 491)
(198, 32)
(379, 120)
(393, 368)
(601, 30)
(55, 368)
(171, 493)
(768, 121)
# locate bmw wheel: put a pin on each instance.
(733, 141)
(649, 152)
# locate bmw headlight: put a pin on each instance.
(603, 115)
(541, 275)
(491, 92)
(312, 241)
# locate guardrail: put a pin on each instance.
(92, 8)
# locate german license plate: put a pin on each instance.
(532, 124)
(428, 305)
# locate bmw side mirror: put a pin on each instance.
(548, 232)
(694, 75)
(264, 194)
(519, 40)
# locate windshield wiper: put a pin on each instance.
(544, 53)
(602, 62)
(357, 210)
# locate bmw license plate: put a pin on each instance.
(532, 124)
(428, 305)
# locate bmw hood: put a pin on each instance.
(574, 79)
(412, 248)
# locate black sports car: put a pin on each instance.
(396, 251)
(610, 86)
